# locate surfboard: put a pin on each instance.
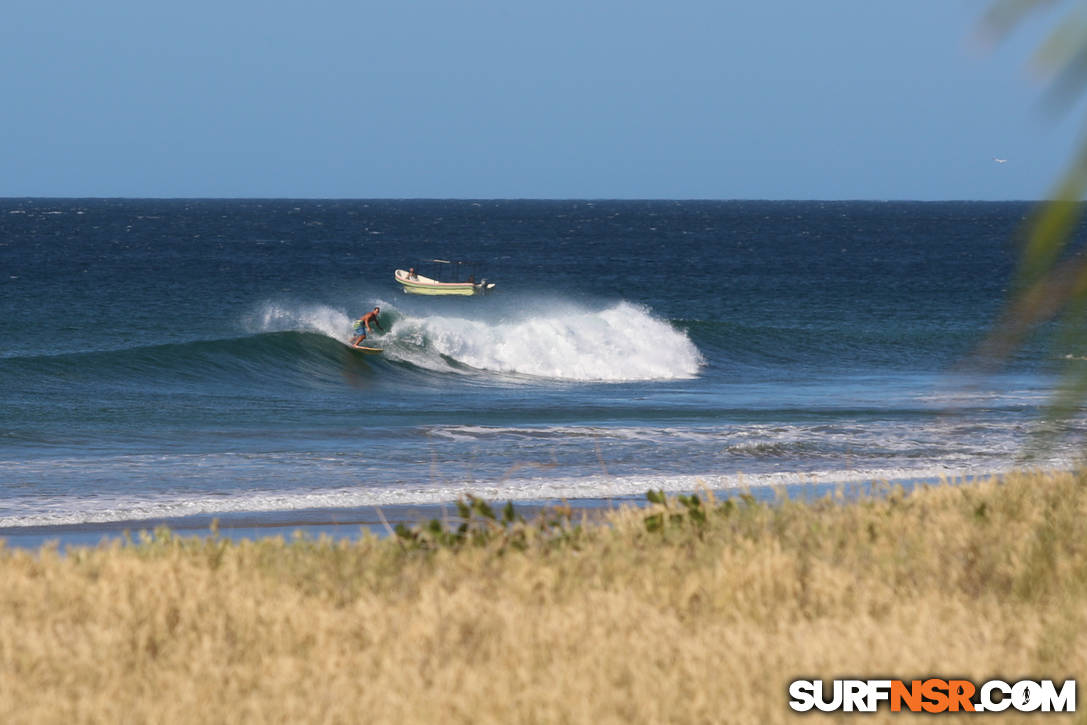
(363, 348)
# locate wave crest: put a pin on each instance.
(624, 342)
(555, 341)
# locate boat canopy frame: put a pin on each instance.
(449, 271)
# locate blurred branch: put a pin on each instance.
(1004, 16)
(1051, 283)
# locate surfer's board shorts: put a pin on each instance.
(360, 328)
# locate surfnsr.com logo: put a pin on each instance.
(932, 695)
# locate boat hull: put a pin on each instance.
(420, 285)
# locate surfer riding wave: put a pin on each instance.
(362, 326)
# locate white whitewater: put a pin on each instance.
(620, 343)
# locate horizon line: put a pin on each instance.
(535, 198)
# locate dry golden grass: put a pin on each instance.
(692, 623)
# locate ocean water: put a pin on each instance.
(182, 360)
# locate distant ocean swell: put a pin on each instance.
(168, 358)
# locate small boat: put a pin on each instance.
(446, 280)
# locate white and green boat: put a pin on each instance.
(447, 280)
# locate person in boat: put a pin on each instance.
(362, 325)
(411, 273)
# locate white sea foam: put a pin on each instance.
(624, 342)
(556, 462)
(286, 317)
(105, 509)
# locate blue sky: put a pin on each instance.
(776, 99)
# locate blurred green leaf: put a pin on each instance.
(1051, 282)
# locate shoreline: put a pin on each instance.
(351, 523)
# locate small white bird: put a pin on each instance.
(1000, 161)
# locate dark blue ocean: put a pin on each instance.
(182, 360)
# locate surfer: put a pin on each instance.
(362, 325)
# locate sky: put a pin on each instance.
(689, 99)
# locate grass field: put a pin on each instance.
(686, 612)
